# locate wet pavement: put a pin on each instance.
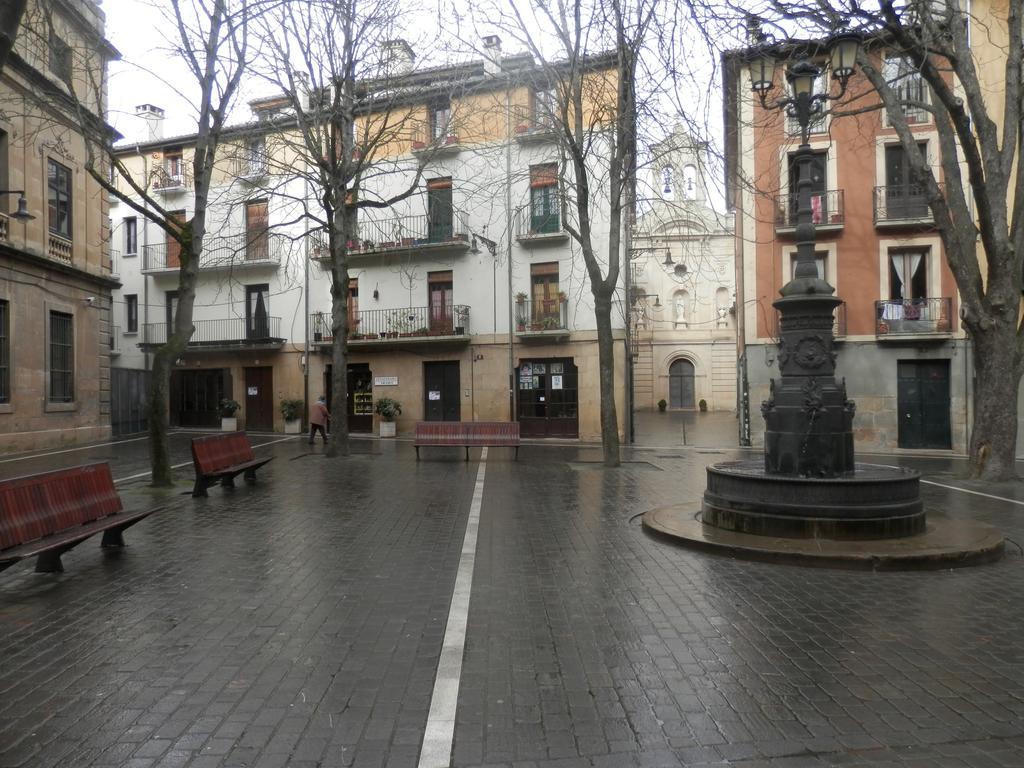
(299, 622)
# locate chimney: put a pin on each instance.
(154, 119)
(492, 52)
(398, 58)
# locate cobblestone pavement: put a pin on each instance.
(298, 622)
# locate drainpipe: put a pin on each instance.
(305, 306)
(508, 250)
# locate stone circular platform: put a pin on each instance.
(945, 543)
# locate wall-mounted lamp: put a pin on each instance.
(376, 293)
(679, 270)
(22, 213)
(636, 296)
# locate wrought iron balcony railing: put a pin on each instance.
(5, 226)
(542, 315)
(171, 180)
(827, 210)
(228, 252)
(437, 232)
(531, 226)
(229, 331)
(404, 322)
(426, 141)
(530, 124)
(903, 317)
(901, 204)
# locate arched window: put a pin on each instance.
(680, 305)
(668, 182)
(689, 182)
(681, 385)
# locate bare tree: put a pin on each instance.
(212, 38)
(587, 60)
(350, 110)
(976, 194)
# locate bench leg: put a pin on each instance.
(467, 453)
(228, 481)
(199, 489)
(114, 537)
(49, 561)
(517, 453)
(250, 475)
(417, 453)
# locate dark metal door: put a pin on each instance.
(195, 397)
(128, 389)
(259, 398)
(548, 398)
(439, 211)
(441, 391)
(360, 398)
(681, 385)
(923, 400)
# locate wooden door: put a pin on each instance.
(681, 390)
(257, 237)
(904, 197)
(439, 285)
(259, 399)
(440, 215)
(441, 391)
(548, 398)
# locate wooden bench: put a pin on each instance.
(47, 514)
(223, 457)
(467, 434)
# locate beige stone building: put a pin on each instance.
(55, 270)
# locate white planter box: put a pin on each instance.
(228, 423)
(293, 426)
(387, 429)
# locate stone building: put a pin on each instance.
(55, 268)
(682, 285)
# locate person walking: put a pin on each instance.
(318, 419)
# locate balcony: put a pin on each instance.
(5, 228)
(59, 248)
(827, 212)
(425, 143)
(438, 234)
(166, 182)
(914, 319)
(252, 168)
(532, 127)
(222, 335)
(231, 252)
(545, 320)
(838, 323)
(902, 206)
(448, 324)
(539, 230)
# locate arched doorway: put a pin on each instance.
(680, 385)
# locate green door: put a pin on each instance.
(923, 400)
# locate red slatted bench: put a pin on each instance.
(223, 457)
(47, 514)
(467, 434)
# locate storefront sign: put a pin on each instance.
(385, 381)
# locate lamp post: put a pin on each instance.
(22, 213)
(808, 419)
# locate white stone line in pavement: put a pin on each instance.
(72, 450)
(955, 488)
(436, 751)
(186, 463)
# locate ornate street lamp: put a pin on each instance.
(22, 213)
(808, 420)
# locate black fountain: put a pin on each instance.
(808, 501)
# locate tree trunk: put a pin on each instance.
(159, 448)
(339, 443)
(997, 380)
(606, 375)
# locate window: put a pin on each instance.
(257, 236)
(440, 119)
(131, 313)
(171, 309)
(820, 261)
(439, 286)
(440, 215)
(543, 108)
(5, 352)
(173, 171)
(62, 358)
(908, 274)
(353, 305)
(257, 311)
(60, 58)
(256, 157)
(546, 309)
(131, 236)
(58, 182)
(909, 87)
(819, 187)
(544, 199)
(904, 195)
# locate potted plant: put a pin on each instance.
(228, 419)
(291, 410)
(703, 405)
(451, 138)
(520, 298)
(388, 410)
(419, 144)
(662, 405)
